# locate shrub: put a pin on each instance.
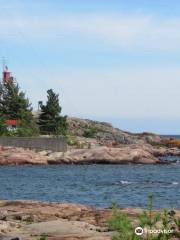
(72, 141)
(43, 237)
(90, 132)
(148, 220)
(121, 223)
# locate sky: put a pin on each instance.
(116, 61)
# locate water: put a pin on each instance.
(172, 136)
(95, 185)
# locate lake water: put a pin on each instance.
(96, 185)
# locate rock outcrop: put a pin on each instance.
(32, 219)
(97, 142)
(20, 156)
(105, 133)
(124, 154)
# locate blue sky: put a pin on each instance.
(114, 61)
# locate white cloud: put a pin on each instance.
(131, 32)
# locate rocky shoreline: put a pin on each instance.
(125, 154)
(31, 219)
(62, 221)
(92, 142)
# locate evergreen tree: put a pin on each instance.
(15, 105)
(3, 127)
(50, 120)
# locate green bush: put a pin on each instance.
(90, 132)
(121, 223)
(27, 129)
(43, 237)
(149, 220)
(3, 127)
(73, 141)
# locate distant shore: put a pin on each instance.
(126, 154)
(92, 142)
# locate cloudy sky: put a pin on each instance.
(116, 61)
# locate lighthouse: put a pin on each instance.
(7, 75)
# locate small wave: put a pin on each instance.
(122, 182)
(175, 183)
(125, 182)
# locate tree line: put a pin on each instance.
(14, 105)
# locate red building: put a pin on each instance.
(11, 124)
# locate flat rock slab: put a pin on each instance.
(59, 221)
(81, 238)
(137, 154)
(62, 229)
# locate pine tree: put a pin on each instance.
(15, 105)
(50, 120)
